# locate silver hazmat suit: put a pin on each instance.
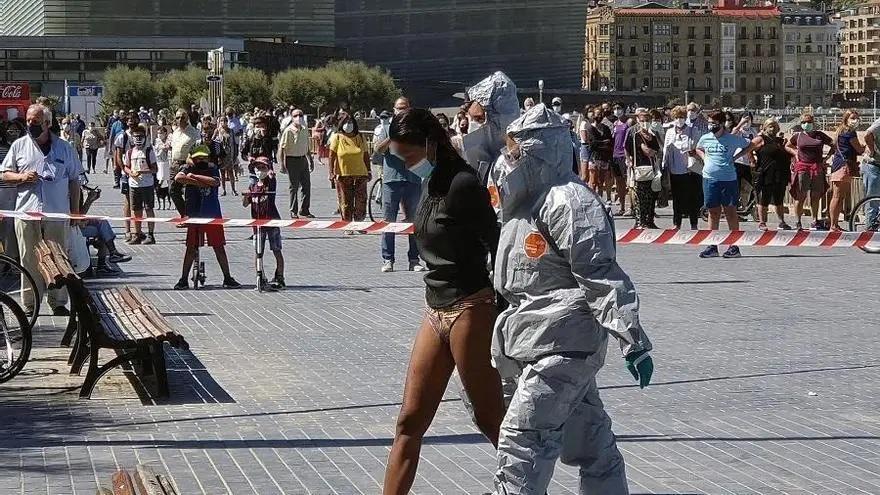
(557, 268)
(497, 95)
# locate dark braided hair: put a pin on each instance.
(417, 127)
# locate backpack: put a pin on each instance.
(147, 151)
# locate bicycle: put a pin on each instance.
(375, 198)
(863, 219)
(11, 276)
(15, 347)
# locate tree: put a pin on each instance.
(182, 88)
(246, 88)
(126, 88)
(349, 85)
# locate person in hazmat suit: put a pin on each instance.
(556, 267)
(490, 107)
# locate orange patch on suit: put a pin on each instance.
(494, 198)
(535, 245)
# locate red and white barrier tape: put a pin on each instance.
(770, 238)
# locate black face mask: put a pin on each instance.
(35, 130)
(714, 128)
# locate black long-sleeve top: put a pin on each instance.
(456, 228)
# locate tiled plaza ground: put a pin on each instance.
(766, 379)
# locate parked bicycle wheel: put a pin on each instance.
(866, 217)
(374, 200)
(15, 338)
(15, 282)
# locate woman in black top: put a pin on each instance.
(602, 148)
(772, 173)
(642, 148)
(456, 231)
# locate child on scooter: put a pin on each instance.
(201, 179)
(261, 198)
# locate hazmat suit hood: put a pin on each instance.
(541, 159)
(497, 95)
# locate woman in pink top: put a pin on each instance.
(808, 176)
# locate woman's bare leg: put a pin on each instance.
(471, 341)
(430, 367)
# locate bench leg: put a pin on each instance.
(94, 374)
(157, 355)
(81, 350)
(72, 324)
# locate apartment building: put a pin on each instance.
(728, 54)
(860, 50)
(810, 56)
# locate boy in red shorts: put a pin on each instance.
(201, 179)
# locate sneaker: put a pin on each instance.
(136, 240)
(150, 239)
(119, 257)
(710, 252)
(277, 282)
(762, 226)
(818, 225)
(732, 252)
(105, 271)
(415, 266)
(231, 283)
(307, 215)
(387, 266)
(784, 226)
(294, 216)
(182, 284)
(60, 311)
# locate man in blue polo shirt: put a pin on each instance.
(719, 149)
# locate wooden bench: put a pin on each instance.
(144, 482)
(121, 319)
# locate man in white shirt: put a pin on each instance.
(183, 139)
(296, 162)
(45, 170)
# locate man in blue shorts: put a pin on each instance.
(719, 149)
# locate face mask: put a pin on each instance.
(807, 126)
(714, 128)
(259, 132)
(771, 132)
(65, 127)
(298, 120)
(384, 121)
(854, 123)
(473, 126)
(35, 130)
(557, 108)
(692, 114)
(618, 113)
(680, 123)
(139, 140)
(348, 128)
(261, 174)
(644, 125)
(423, 169)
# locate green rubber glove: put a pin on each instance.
(641, 366)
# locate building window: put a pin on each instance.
(789, 83)
(632, 67)
(708, 83)
(675, 48)
(646, 64)
(674, 82)
(757, 84)
(772, 83)
(691, 67)
(773, 50)
(742, 66)
(758, 34)
(675, 64)
(742, 84)
(633, 31)
(619, 30)
(619, 83)
(707, 32)
(661, 82)
(707, 50)
(603, 30)
(646, 82)
(632, 83)
(646, 47)
(742, 33)
(809, 83)
(743, 50)
(661, 47)
(758, 51)
(789, 50)
(729, 30)
(691, 83)
(691, 51)
(692, 32)
(662, 29)
(661, 64)
(757, 66)
(728, 65)
(603, 47)
(675, 30)
(707, 66)
(620, 48)
(726, 83)
(646, 30)
(632, 51)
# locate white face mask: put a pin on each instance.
(348, 128)
(557, 108)
(618, 113)
(423, 169)
(692, 114)
(473, 126)
(680, 123)
(261, 174)
(298, 120)
(644, 125)
(854, 123)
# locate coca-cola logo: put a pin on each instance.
(14, 92)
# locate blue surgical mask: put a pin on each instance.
(423, 169)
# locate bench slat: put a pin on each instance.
(122, 484)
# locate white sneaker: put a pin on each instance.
(415, 266)
(387, 266)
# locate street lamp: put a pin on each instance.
(685, 97)
(541, 91)
(767, 99)
(875, 104)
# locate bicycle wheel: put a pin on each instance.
(15, 338)
(374, 200)
(866, 217)
(12, 274)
